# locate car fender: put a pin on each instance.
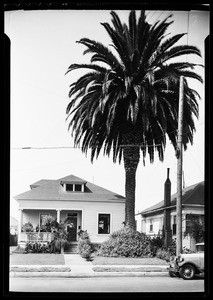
(197, 270)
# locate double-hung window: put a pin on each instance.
(151, 226)
(174, 226)
(104, 223)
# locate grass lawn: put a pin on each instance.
(37, 259)
(100, 260)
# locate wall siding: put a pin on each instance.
(157, 221)
(88, 211)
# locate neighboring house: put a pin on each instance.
(161, 217)
(13, 231)
(86, 205)
(13, 226)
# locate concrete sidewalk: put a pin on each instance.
(76, 266)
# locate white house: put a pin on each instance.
(162, 216)
(88, 207)
(13, 226)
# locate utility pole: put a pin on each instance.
(179, 168)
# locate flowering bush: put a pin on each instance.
(27, 227)
(84, 245)
(37, 247)
(126, 242)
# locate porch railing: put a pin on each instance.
(36, 236)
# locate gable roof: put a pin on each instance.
(192, 195)
(46, 189)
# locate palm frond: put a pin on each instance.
(117, 23)
(86, 66)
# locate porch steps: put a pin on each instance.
(71, 249)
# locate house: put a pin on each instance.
(13, 226)
(161, 217)
(86, 205)
(13, 231)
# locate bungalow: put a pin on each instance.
(86, 205)
(161, 217)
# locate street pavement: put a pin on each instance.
(108, 284)
(77, 267)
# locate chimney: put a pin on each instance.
(167, 212)
(167, 190)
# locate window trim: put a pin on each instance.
(69, 184)
(110, 223)
(150, 224)
(81, 185)
(40, 214)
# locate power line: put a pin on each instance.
(120, 146)
(79, 147)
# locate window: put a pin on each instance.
(174, 226)
(73, 187)
(78, 187)
(43, 219)
(151, 226)
(69, 187)
(104, 223)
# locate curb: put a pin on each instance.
(54, 271)
(86, 275)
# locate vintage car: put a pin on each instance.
(188, 265)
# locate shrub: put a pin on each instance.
(60, 238)
(37, 247)
(128, 243)
(84, 245)
(50, 225)
(167, 253)
(163, 254)
(187, 250)
(196, 230)
(19, 250)
(27, 227)
(156, 242)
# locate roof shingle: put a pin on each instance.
(53, 190)
(193, 194)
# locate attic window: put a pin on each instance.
(78, 187)
(74, 187)
(69, 187)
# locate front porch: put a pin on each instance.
(73, 220)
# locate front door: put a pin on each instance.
(72, 228)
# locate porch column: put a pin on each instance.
(20, 221)
(58, 215)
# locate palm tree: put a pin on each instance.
(127, 103)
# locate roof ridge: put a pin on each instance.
(174, 196)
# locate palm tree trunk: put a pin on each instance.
(131, 157)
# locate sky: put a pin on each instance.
(43, 46)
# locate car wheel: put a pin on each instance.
(187, 272)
